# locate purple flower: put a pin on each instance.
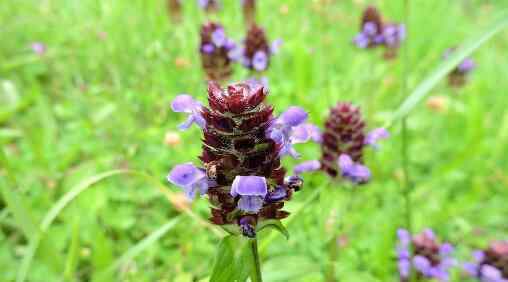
(307, 166)
(282, 130)
(355, 172)
(305, 132)
(252, 191)
(260, 61)
(38, 48)
(207, 48)
(404, 268)
(394, 34)
(219, 37)
(491, 274)
(275, 46)
(422, 264)
(190, 178)
(370, 29)
(466, 66)
(361, 40)
(277, 194)
(375, 135)
(186, 104)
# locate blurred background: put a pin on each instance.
(85, 88)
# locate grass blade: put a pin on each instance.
(141, 246)
(445, 67)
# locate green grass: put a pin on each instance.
(93, 105)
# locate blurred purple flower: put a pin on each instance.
(38, 48)
(186, 104)
(375, 135)
(307, 166)
(355, 172)
(260, 61)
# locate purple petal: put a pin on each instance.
(275, 47)
(293, 116)
(219, 37)
(249, 186)
(207, 48)
(478, 256)
(369, 29)
(190, 178)
(491, 273)
(304, 132)
(354, 172)
(185, 174)
(375, 135)
(260, 61)
(466, 66)
(471, 269)
(403, 253)
(422, 264)
(361, 41)
(307, 167)
(446, 249)
(404, 268)
(184, 104)
(235, 54)
(438, 273)
(404, 237)
(203, 3)
(250, 203)
(429, 234)
(38, 48)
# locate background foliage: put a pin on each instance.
(98, 100)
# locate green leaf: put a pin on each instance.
(73, 255)
(140, 247)
(233, 261)
(273, 224)
(445, 67)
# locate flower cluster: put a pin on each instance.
(209, 5)
(458, 76)
(242, 147)
(430, 259)
(175, 10)
(490, 265)
(216, 51)
(343, 143)
(256, 52)
(249, 11)
(375, 32)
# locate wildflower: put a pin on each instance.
(375, 32)
(257, 51)
(209, 5)
(175, 10)
(371, 29)
(38, 48)
(458, 76)
(186, 104)
(242, 144)
(249, 11)
(430, 259)
(490, 265)
(216, 52)
(342, 144)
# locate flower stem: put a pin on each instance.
(256, 271)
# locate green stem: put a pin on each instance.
(256, 271)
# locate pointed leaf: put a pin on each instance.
(274, 224)
(233, 261)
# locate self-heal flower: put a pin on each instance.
(186, 104)
(246, 184)
(430, 259)
(458, 76)
(217, 52)
(355, 172)
(491, 264)
(371, 29)
(393, 35)
(190, 178)
(257, 51)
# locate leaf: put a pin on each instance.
(141, 246)
(73, 255)
(445, 67)
(233, 261)
(274, 224)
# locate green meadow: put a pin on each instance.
(88, 137)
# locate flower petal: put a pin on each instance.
(375, 135)
(250, 203)
(185, 175)
(249, 186)
(293, 116)
(307, 166)
(422, 264)
(219, 37)
(277, 194)
(260, 61)
(184, 104)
